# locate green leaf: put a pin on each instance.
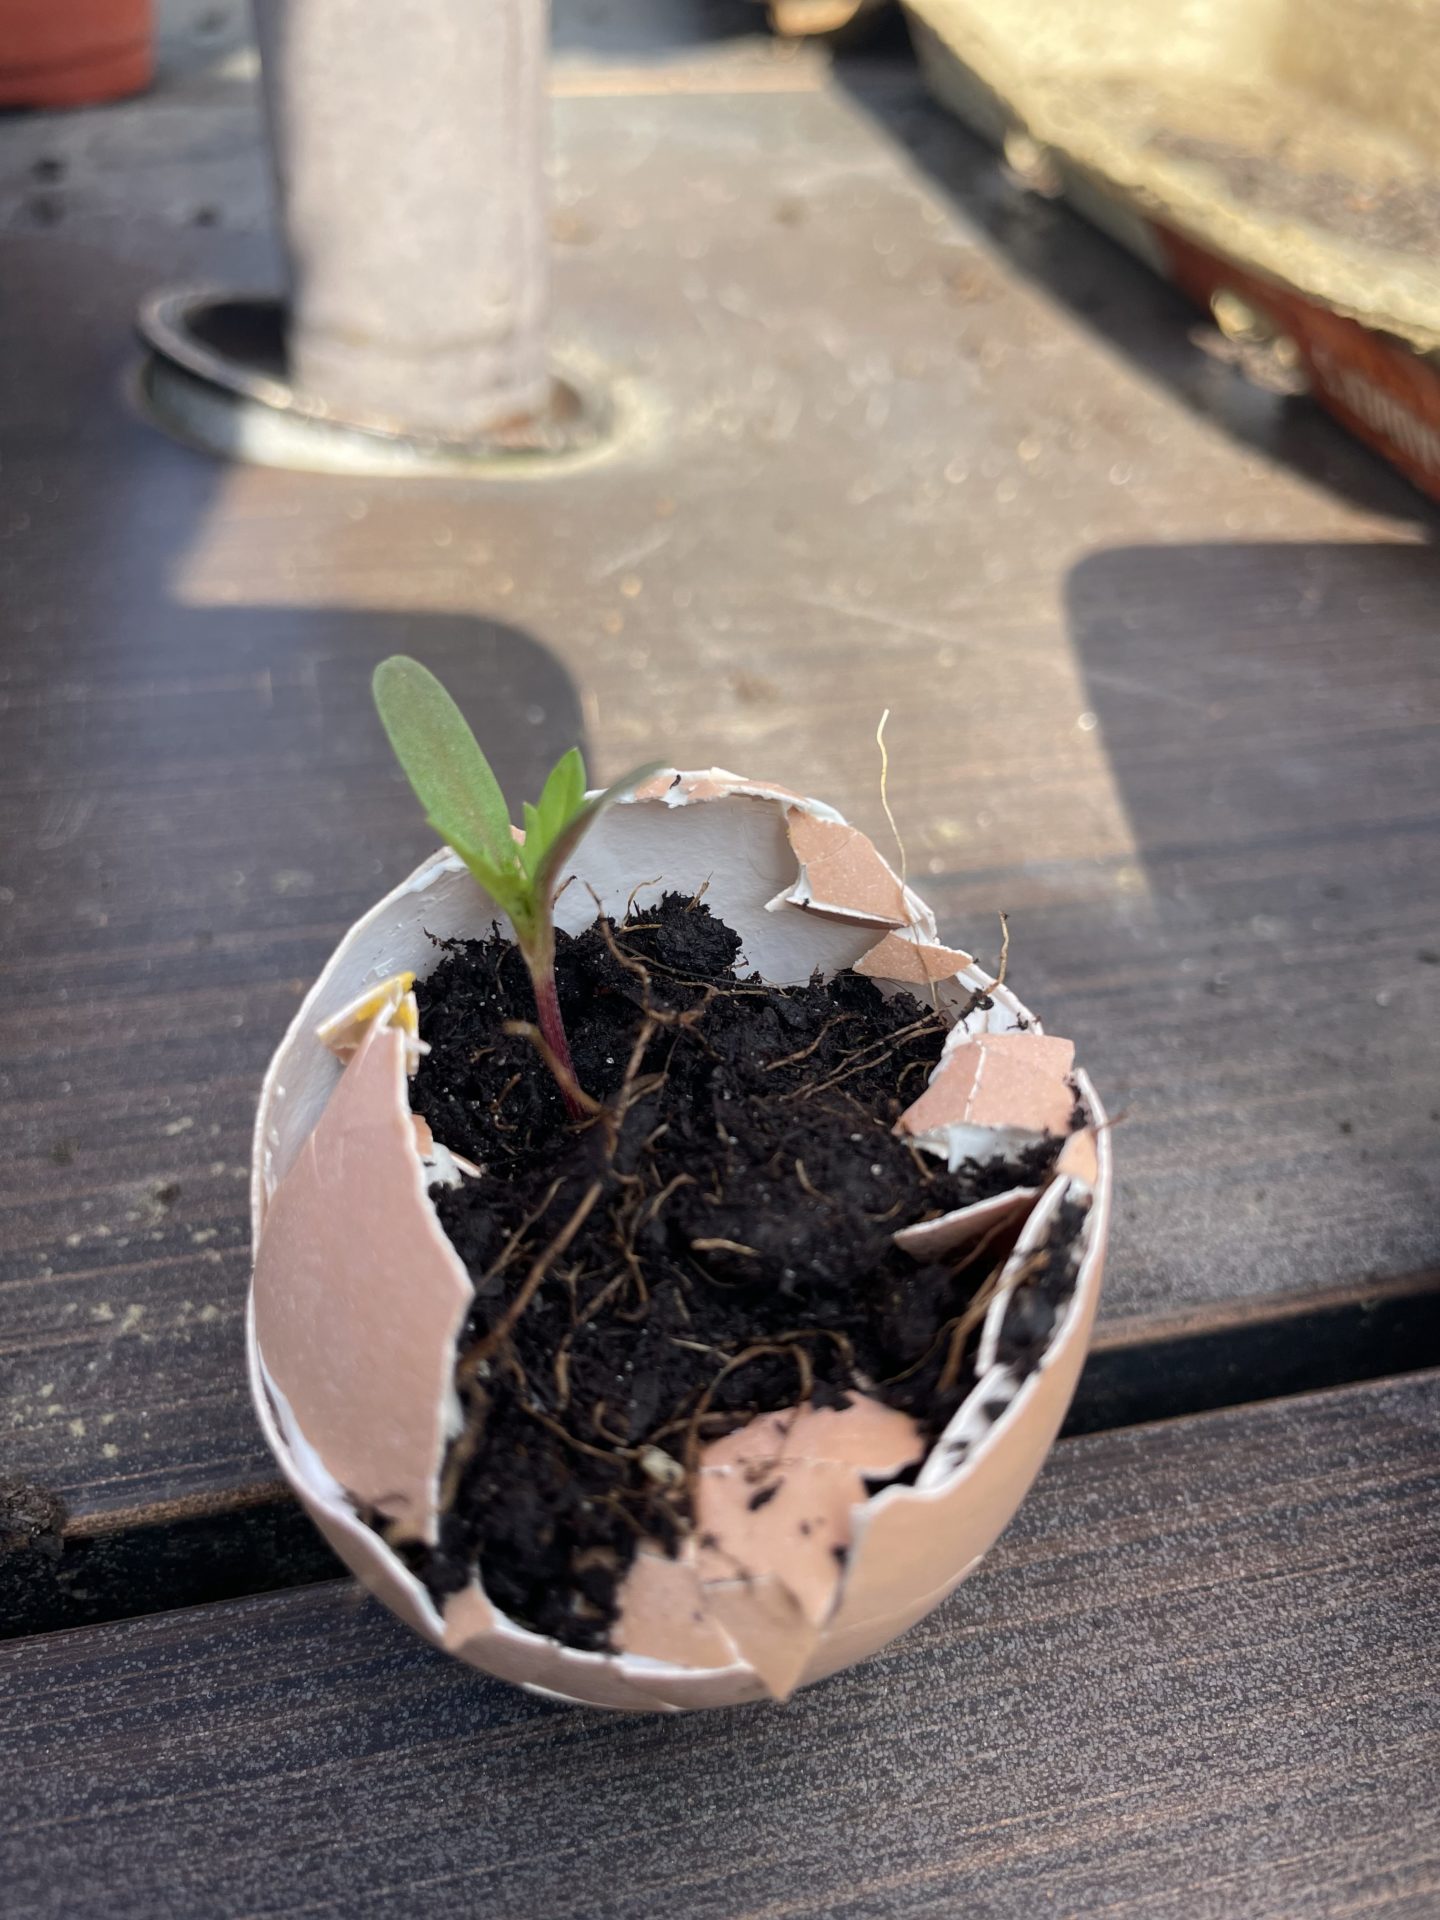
(547, 869)
(443, 763)
(560, 800)
(534, 843)
(564, 792)
(509, 890)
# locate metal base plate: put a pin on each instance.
(216, 378)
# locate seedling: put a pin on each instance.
(456, 786)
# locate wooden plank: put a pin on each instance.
(1195, 1679)
(892, 436)
(196, 803)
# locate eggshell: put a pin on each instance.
(774, 1499)
(998, 1091)
(965, 1226)
(841, 873)
(663, 1614)
(352, 1237)
(343, 1031)
(908, 1545)
(912, 962)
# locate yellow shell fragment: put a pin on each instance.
(343, 1031)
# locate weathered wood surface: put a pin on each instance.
(1160, 653)
(1196, 1679)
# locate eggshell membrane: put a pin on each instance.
(731, 836)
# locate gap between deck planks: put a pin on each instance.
(1194, 1681)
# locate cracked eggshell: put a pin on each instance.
(740, 840)
(370, 1388)
(993, 1094)
(966, 1226)
(776, 1496)
(841, 874)
(998, 1382)
(329, 1506)
(915, 1544)
(912, 961)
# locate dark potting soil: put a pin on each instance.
(714, 1243)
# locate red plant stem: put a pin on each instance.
(552, 1026)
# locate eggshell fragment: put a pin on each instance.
(909, 1544)
(841, 873)
(343, 1031)
(1079, 1158)
(359, 1296)
(775, 1497)
(663, 1613)
(769, 1628)
(992, 1094)
(1036, 1233)
(966, 1226)
(913, 963)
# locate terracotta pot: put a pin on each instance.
(73, 53)
(358, 1297)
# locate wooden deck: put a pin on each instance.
(1161, 653)
(1196, 1679)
